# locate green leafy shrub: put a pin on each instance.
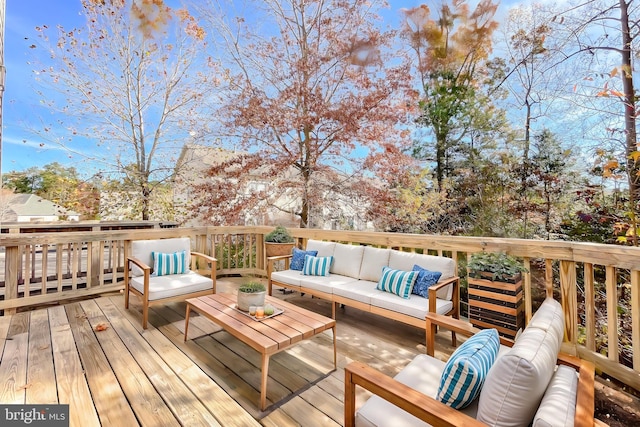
(279, 235)
(501, 266)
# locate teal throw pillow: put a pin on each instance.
(316, 266)
(172, 263)
(426, 279)
(397, 281)
(467, 368)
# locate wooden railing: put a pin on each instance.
(588, 279)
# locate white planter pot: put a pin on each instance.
(248, 299)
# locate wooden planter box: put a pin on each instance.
(494, 304)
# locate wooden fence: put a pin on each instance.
(592, 281)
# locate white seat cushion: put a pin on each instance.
(415, 305)
(360, 291)
(290, 277)
(422, 374)
(175, 284)
(325, 283)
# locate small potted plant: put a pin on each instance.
(278, 242)
(251, 293)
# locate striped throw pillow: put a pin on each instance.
(397, 281)
(466, 369)
(316, 265)
(165, 264)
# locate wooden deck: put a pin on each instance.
(94, 355)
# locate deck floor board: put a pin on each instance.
(95, 356)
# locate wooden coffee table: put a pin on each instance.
(268, 336)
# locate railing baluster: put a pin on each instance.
(45, 267)
(569, 299)
(635, 318)
(590, 306)
(612, 313)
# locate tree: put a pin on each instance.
(550, 173)
(59, 184)
(131, 81)
(598, 29)
(450, 51)
(313, 92)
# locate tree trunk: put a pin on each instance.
(629, 116)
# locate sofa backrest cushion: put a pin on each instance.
(142, 249)
(347, 260)
(373, 259)
(323, 248)
(558, 406)
(517, 381)
(399, 260)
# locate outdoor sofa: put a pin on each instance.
(355, 273)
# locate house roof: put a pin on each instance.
(16, 205)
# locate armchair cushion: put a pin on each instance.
(466, 369)
(172, 285)
(397, 282)
(557, 407)
(316, 266)
(517, 381)
(141, 249)
(171, 263)
(297, 259)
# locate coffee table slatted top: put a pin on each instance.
(269, 335)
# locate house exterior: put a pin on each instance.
(339, 208)
(31, 208)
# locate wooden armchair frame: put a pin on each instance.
(433, 411)
(144, 296)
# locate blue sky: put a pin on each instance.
(20, 148)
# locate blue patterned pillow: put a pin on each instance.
(165, 264)
(426, 279)
(297, 260)
(317, 265)
(466, 369)
(397, 281)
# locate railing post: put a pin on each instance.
(11, 269)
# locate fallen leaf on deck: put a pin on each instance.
(101, 327)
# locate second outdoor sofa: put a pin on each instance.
(354, 276)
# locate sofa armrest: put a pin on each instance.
(146, 272)
(270, 261)
(454, 325)
(455, 295)
(401, 395)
